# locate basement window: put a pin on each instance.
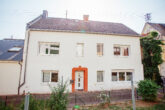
(50, 76)
(15, 49)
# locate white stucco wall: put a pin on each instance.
(9, 78)
(67, 59)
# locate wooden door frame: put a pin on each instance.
(85, 70)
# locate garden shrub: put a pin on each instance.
(5, 107)
(58, 99)
(35, 104)
(105, 98)
(148, 90)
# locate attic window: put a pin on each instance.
(14, 49)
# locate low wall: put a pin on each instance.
(80, 98)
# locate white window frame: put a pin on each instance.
(125, 72)
(50, 77)
(96, 76)
(48, 45)
(121, 50)
(100, 55)
(77, 54)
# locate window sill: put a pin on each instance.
(48, 83)
(99, 83)
(49, 54)
(99, 56)
(120, 81)
(119, 56)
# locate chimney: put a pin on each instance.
(85, 17)
(45, 14)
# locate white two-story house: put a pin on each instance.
(89, 55)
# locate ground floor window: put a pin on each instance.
(121, 75)
(100, 76)
(50, 76)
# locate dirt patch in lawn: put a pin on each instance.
(139, 103)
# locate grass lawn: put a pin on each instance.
(140, 105)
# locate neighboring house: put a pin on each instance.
(160, 28)
(90, 55)
(11, 52)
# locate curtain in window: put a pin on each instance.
(42, 48)
(121, 76)
(99, 76)
(125, 51)
(79, 49)
(54, 77)
(100, 49)
(46, 76)
(116, 50)
(114, 76)
(129, 75)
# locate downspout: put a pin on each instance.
(19, 75)
(24, 80)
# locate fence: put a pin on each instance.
(90, 98)
(78, 98)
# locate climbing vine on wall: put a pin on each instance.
(151, 49)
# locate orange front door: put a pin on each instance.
(80, 78)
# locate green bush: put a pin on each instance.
(148, 90)
(35, 104)
(58, 99)
(5, 107)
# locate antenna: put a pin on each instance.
(147, 17)
(66, 14)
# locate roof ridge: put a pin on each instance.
(83, 20)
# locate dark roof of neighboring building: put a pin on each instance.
(81, 26)
(159, 27)
(7, 44)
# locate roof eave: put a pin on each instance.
(10, 61)
(53, 30)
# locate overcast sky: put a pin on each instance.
(14, 14)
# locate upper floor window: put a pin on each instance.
(100, 49)
(49, 48)
(100, 77)
(50, 76)
(121, 50)
(80, 49)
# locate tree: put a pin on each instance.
(152, 56)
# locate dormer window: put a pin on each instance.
(15, 49)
